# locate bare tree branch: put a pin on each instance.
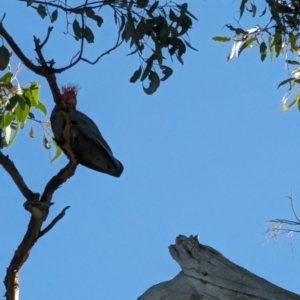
(118, 43)
(10, 168)
(77, 60)
(57, 180)
(50, 28)
(20, 256)
(16, 49)
(39, 211)
(67, 8)
(53, 222)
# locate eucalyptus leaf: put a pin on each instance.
(154, 83)
(77, 29)
(88, 34)
(6, 78)
(4, 58)
(54, 16)
(136, 75)
(41, 9)
(57, 154)
(167, 71)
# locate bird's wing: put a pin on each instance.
(57, 122)
(87, 126)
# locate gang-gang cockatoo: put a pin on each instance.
(86, 141)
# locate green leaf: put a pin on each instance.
(54, 16)
(254, 9)
(6, 120)
(247, 43)
(292, 62)
(148, 67)
(191, 15)
(128, 31)
(285, 81)
(57, 154)
(88, 34)
(42, 11)
(22, 112)
(242, 7)
(158, 55)
(6, 78)
(12, 103)
(183, 8)
(179, 58)
(134, 51)
(178, 45)
(264, 12)
(77, 29)
(23, 101)
(271, 47)
(221, 39)
(172, 16)
(136, 75)
(90, 13)
(152, 8)
(41, 107)
(29, 2)
(142, 3)
(167, 73)
(185, 24)
(4, 58)
(99, 20)
(154, 83)
(263, 51)
(142, 28)
(189, 45)
(32, 93)
(277, 43)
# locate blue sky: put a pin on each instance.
(210, 153)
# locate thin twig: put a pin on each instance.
(53, 222)
(16, 49)
(293, 208)
(118, 43)
(50, 28)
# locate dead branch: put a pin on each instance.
(207, 274)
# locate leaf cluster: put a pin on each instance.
(150, 28)
(280, 35)
(16, 104)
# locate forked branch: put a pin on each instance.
(38, 207)
(11, 169)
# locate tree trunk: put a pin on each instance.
(207, 275)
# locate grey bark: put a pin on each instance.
(208, 275)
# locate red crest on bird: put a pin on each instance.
(69, 95)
